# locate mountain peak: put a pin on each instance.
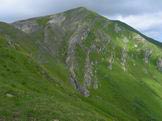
(80, 8)
(115, 67)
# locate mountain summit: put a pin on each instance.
(78, 65)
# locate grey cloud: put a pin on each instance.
(104, 7)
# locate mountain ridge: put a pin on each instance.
(85, 9)
(78, 65)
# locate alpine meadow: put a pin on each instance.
(78, 66)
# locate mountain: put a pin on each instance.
(78, 66)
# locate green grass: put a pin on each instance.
(27, 94)
(34, 77)
(43, 21)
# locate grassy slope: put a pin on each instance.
(133, 95)
(27, 92)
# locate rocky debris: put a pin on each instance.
(159, 64)
(52, 41)
(46, 35)
(111, 60)
(55, 120)
(95, 84)
(107, 23)
(93, 47)
(82, 89)
(74, 40)
(29, 26)
(145, 70)
(81, 33)
(90, 78)
(125, 40)
(57, 19)
(77, 38)
(74, 82)
(95, 81)
(10, 42)
(102, 36)
(117, 28)
(123, 58)
(9, 95)
(88, 72)
(138, 38)
(147, 55)
(135, 45)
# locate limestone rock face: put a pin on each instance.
(80, 34)
(88, 72)
(147, 55)
(27, 26)
(81, 88)
(139, 38)
(56, 19)
(123, 58)
(117, 28)
(159, 64)
(111, 61)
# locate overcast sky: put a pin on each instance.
(144, 15)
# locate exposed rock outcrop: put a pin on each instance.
(81, 33)
(88, 72)
(111, 60)
(147, 55)
(90, 79)
(125, 40)
(123, 58)
(138, 38)
(102, 36)
(159, 64)
(82, 89)
(57, 19)
(53, 44)
(117, 28)
(29, 26)
(95, 83)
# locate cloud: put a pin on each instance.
(149, 23)
(14, 6)
(142, 21)
(105, 7)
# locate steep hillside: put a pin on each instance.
(78, 65)
(28, 92)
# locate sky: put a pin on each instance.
(143, 15)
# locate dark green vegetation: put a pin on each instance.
(78, 66)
